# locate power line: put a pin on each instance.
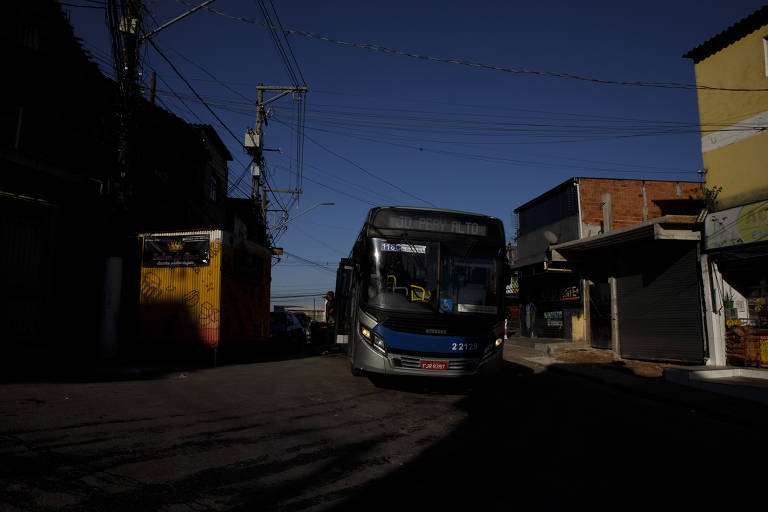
(178, 73)
(287, 43)
(468, 128)
(362, 168)
(214, 78)
(176, 95)
(343, 181)
(321, 242)
(486, 158)
(102, 6)
(305, 260)
(278, 43)
(468, 63)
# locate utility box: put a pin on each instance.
(202, 288)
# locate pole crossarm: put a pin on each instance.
(174, 20)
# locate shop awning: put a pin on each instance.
(538, 259)
(669, 227)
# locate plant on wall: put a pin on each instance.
(710, 196)
(728, 299)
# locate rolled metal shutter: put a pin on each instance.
(659, 309)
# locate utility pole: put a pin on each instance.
(128, 28)
(254, 142)
(124, 18)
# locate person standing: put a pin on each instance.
(330, 317)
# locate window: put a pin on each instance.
(765, 54)
(30, 35)
(213, 193)
(562, 204)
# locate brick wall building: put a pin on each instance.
(627, 202)
(579, 236)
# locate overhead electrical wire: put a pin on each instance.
(358, 166)
(313, 263)
(484, 158)
(288, 43)
(248, 101)
(178, 73)
(175, 94)
(391, 140)
(384, 126)
(468, 63)
(347, 194)
(345, 181)
(69, 4)
(294, 73)
(198, 98)
(319, 241)
(273, 32)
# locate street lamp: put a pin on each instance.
(286, 221)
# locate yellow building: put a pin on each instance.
(202, 289)
(732, 74)
(732, 78)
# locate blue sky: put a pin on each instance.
(384, 128)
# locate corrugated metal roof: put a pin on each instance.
(730, 35)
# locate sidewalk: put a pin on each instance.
(604, 365)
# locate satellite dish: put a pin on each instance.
(551, 237)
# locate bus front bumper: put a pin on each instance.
(371, 360)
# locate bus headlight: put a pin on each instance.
(490, 347)
(375, 340)
(378, 342)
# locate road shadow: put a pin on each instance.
(146, 362)
(555, 441)
(527, 440)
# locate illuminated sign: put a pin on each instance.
(460, 227)
(390, 247)
(435, 223)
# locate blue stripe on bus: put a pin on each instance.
(428, 343)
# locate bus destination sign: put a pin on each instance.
(437, 224)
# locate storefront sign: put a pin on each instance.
(554, 318)
(177, 251)
(744, 224)
(561, 294)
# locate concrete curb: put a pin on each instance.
(746, 383)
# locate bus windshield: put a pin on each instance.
(418, 276)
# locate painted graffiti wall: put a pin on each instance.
(180, 291)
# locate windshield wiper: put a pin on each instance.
(422, 262)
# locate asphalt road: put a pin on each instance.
(303, 434)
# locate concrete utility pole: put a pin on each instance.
(127, 29)
(124, 25)
(254, 142)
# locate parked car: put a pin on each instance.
(284, 327)
(306, 323)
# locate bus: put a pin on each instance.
(426, 293)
